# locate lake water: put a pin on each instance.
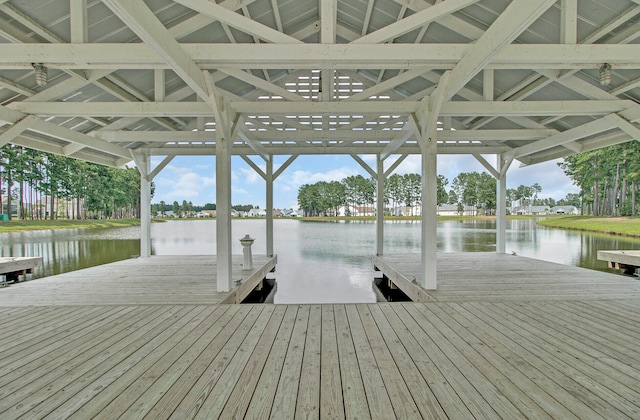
(318, 262)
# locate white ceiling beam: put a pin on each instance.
(585, 130)
(569, 21)
(625, 125)
(195, 109)
(144, 23)
(414, 21)
(313, 56)
(8, 84)
(407, 132)
(339, 135)
(9, 116)
(78, 21)
(367, 17)
(487, 165)
(386, 85)
(242, 23)
(15, 130)
(255, 146)
(199, 21)
(262, 84)
(62, 133)
(517, 17)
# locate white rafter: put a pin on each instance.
(144, 23)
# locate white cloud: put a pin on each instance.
(177, 183)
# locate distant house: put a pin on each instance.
(257, 213)
(277, 213)
(564, 210)
(289, 213)
(206, 213)
(453, 210)
(356, 211)
(530, 210)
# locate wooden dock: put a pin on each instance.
(476, 351)
(159, 280)
(627, 261)
(11, 268)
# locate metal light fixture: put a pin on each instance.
(605, 74)
(41, 73)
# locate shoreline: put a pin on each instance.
(619, 226)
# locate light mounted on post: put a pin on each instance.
(41, 73)
(605, 74)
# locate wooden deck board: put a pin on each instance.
(156, 280)
(484, 350)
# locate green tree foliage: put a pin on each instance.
(325, 198)
(607, 178)
(51, 186)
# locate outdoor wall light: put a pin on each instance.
(605, 74)
(41, 73)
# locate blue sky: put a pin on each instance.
(193, 178)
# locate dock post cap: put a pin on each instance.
(246, 242)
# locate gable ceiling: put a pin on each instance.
(531, 81)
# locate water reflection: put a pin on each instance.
(317, 262)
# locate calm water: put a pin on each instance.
(317, 262)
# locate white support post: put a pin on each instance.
(501, 210)
(503, 165)
(429, 216)
(269, 180)
(380, 207)
(143, 162)
(223, 211)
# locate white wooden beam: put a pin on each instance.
(78, 21)
(255, 145)
(263, 84)
(62, 133)
(15, 130)
(386, 85)
(517, 17)
(585, 130)
(8, 84)
(195, 109)
(313, 56)
(242, 23)
(364, 165)
(284, 166)
(414, 21)
(143, 22)
(160, 167)
(569, 21)
(495, 173)
(625, 125)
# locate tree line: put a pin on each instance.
(607, 178)
(402, 193)
(47, 186)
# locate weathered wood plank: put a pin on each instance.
(122, 393)
(57, 350)
(51, 390)
(374, 386)
(265, 389)
(286, 393)
(237, 382)
(308, 403)
(200, 369)
(331, 402)
(570, 393)
(356, 405)
(429, 362)
(401, 399)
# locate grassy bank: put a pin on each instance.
(24, 225)
(627, 226)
